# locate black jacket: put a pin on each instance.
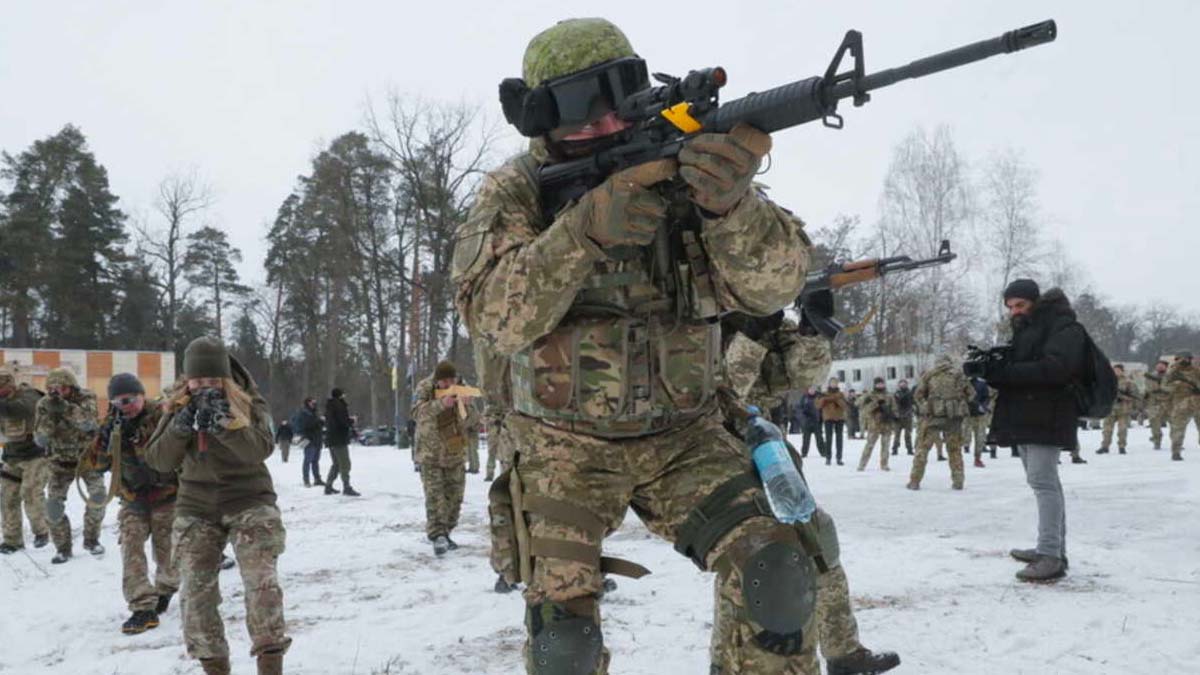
(308, 425)
(979, 406)
(284, 432)
(338, 429)
(904, 403)
(810, 417)
(1036, 401)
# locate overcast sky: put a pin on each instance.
(246, 92)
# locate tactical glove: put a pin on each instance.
(621, 211)
(185, 419)
(719, 167)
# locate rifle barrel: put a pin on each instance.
(1013, 40)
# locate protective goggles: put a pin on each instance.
(572, 100)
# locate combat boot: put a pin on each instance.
(93, 547)
(61, 557)
(8, 549)
(216, 666)
(40, 540)
(1177, 455)
(350, 492)
(440, 545)
(1076, 459)
(330, 490)
(452, 544)
(913, 485)
(270, 663)
(141, 621)
(1102, 451)
(164, 602)
(1120, 451)
(1044, 570)
(863, 661)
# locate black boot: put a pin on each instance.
(141, 621)
(7, 549)
(164, 601)
(61, 557)
(330, 490)
(40, 540)
(93, 547)
(863, 662)
(453, 545)
(349, 491)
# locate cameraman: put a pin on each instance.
(216, 432)
(1036, 409)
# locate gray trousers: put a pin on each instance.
(1041, 472)
(341, 464)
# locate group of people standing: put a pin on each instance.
(336, 429)
(189, 471)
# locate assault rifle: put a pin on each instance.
(664, 118)
(462, 392)
(816, 301)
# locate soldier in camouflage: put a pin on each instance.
(903, 404)
(942, 398)
(215, 432)
(876, 409)
(147, 501)
(22, 475)
(471, 426)
(1158, 401)
(779, 358)
(441, 452)
(613, 368)
(1123, 407)
(66, 424)
(1183, 378)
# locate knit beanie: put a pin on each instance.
(206, 357)
(1026, 289)
(124, 384)
(445, 371)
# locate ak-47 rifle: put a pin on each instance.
(663, 118)
(816, 301)
(463, 394)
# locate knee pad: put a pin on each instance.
(779, 588)
(562, 642)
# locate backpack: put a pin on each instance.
(1096, 392)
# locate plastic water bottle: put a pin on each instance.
(786, 490)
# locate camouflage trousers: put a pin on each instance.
(929, 431)
(285, 448)
(663, 477)
(1158, 414)
(883, 434)
(837, 630)
(60, 482)
(137, 524)
(444, 487)
(258, 540)
(473, 452)
(1183, 411)
(904, 426)
(975, 430)
(1121, 422)
(23, 481)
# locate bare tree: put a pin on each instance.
(927, 199)
(1012, 231)
(182, 198)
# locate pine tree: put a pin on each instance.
(209, 264)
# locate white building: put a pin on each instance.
(859, 373)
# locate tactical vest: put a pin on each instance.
(946, 398)
(17, 429)
(639, 348)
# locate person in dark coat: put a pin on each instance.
(311, 428)
(1036, 410)
(810, 422)
(283, 438)
(339, 431)
(903, 403)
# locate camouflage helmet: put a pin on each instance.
(61, 377)
(571, 46)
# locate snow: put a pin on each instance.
(928, 570)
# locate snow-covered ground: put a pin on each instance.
(928, 570)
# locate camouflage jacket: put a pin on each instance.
(877, 409)
(1157, 390)
(1127, 396)
(18, 411)
(944, 392)
(1183, 382)
(615, 345)
(141, 487)
(441, 434)
(763, 372)
(66, 425)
